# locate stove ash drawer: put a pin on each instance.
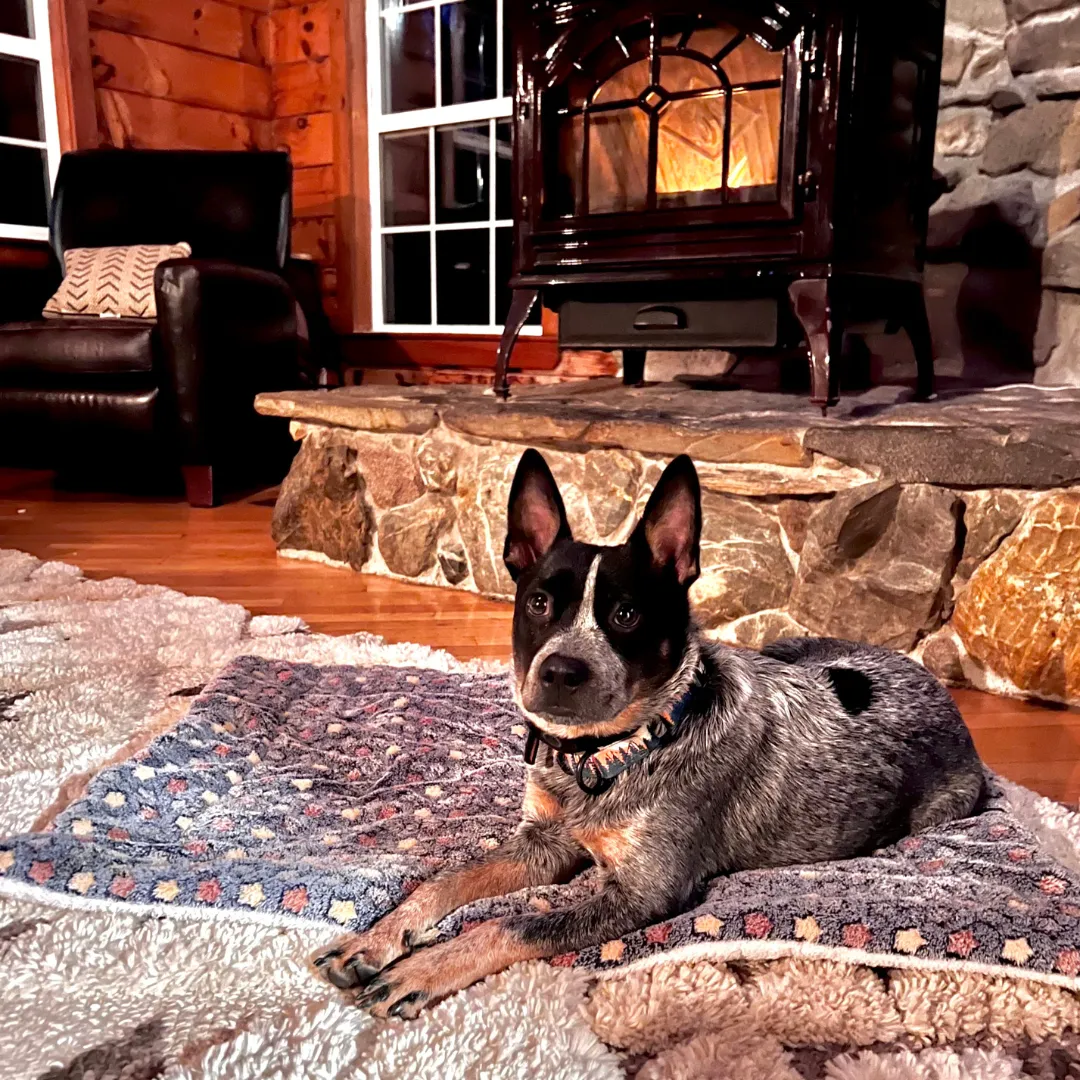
(692, 324)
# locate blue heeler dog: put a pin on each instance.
(662, 758)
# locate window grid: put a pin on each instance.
(472, 113)
(39, 50)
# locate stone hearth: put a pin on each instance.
(948, 530)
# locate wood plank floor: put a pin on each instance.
(227, 552)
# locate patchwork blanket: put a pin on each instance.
(294, 793)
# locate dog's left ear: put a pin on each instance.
(671, 524)
(537, 517)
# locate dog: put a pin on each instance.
(664, 759)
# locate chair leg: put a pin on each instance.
(917, 324)
(199, 485)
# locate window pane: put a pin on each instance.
(20, 108)
(15, 18)
(405, 178)
(408, 60)
(407, 278)
(25, 186)
(468, 51)
(463, 166)
(504, 161)
(462, 276)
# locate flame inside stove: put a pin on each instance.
(691, 110)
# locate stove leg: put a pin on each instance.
(917, 325)
(816, 310)
(521, 305)
(633, 367)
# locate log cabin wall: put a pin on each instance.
(305, 49)
(233, 75)
(181, 74)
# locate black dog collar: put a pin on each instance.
(596, 762)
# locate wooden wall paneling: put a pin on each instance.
(160, 70)
(301, 33)
(351, 220)
(447, 350)
(69, 32)
(208, 25)
(260, 7)
(303, 87)
(314, 192)
(310, 139)
(315, 237)
(354, 215)
(134, 120)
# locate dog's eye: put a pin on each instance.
(539, 605)
(626, 616)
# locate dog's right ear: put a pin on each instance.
(537, 517)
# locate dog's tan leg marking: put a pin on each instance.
(430, 974)
(539, 804)
(610, 847)
(354, 959)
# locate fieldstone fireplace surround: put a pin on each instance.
(949, 530)
(1003, 287)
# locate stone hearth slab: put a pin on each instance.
(1018, 436)
(935, 528)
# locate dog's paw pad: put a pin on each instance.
(346, 972)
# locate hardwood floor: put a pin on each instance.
(227, 552)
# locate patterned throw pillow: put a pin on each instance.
(116, 281)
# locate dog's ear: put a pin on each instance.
(671, 526)
(537, 517)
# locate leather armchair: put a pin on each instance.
(178, 390)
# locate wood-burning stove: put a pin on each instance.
(724, 174)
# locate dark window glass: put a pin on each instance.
(468, 51)
(15, 18)
(407, 278)
(462, 276)
(408, 61)
(405, 179)
(20, 99)
(462, 169)
(504, 267)
(25, 185)
(503, 172)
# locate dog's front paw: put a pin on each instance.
(354, 960)
(406, 987)
(433, 973)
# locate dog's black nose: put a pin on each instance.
(564, 673)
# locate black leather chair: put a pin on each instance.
(179, 389)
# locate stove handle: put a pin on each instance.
(658, 317)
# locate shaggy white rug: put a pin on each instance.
(90, 671)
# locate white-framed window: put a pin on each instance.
(439, 108)
(29, 132)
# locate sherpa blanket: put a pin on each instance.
(327, 793)
(295, 798)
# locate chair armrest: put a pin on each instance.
(228, 332)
